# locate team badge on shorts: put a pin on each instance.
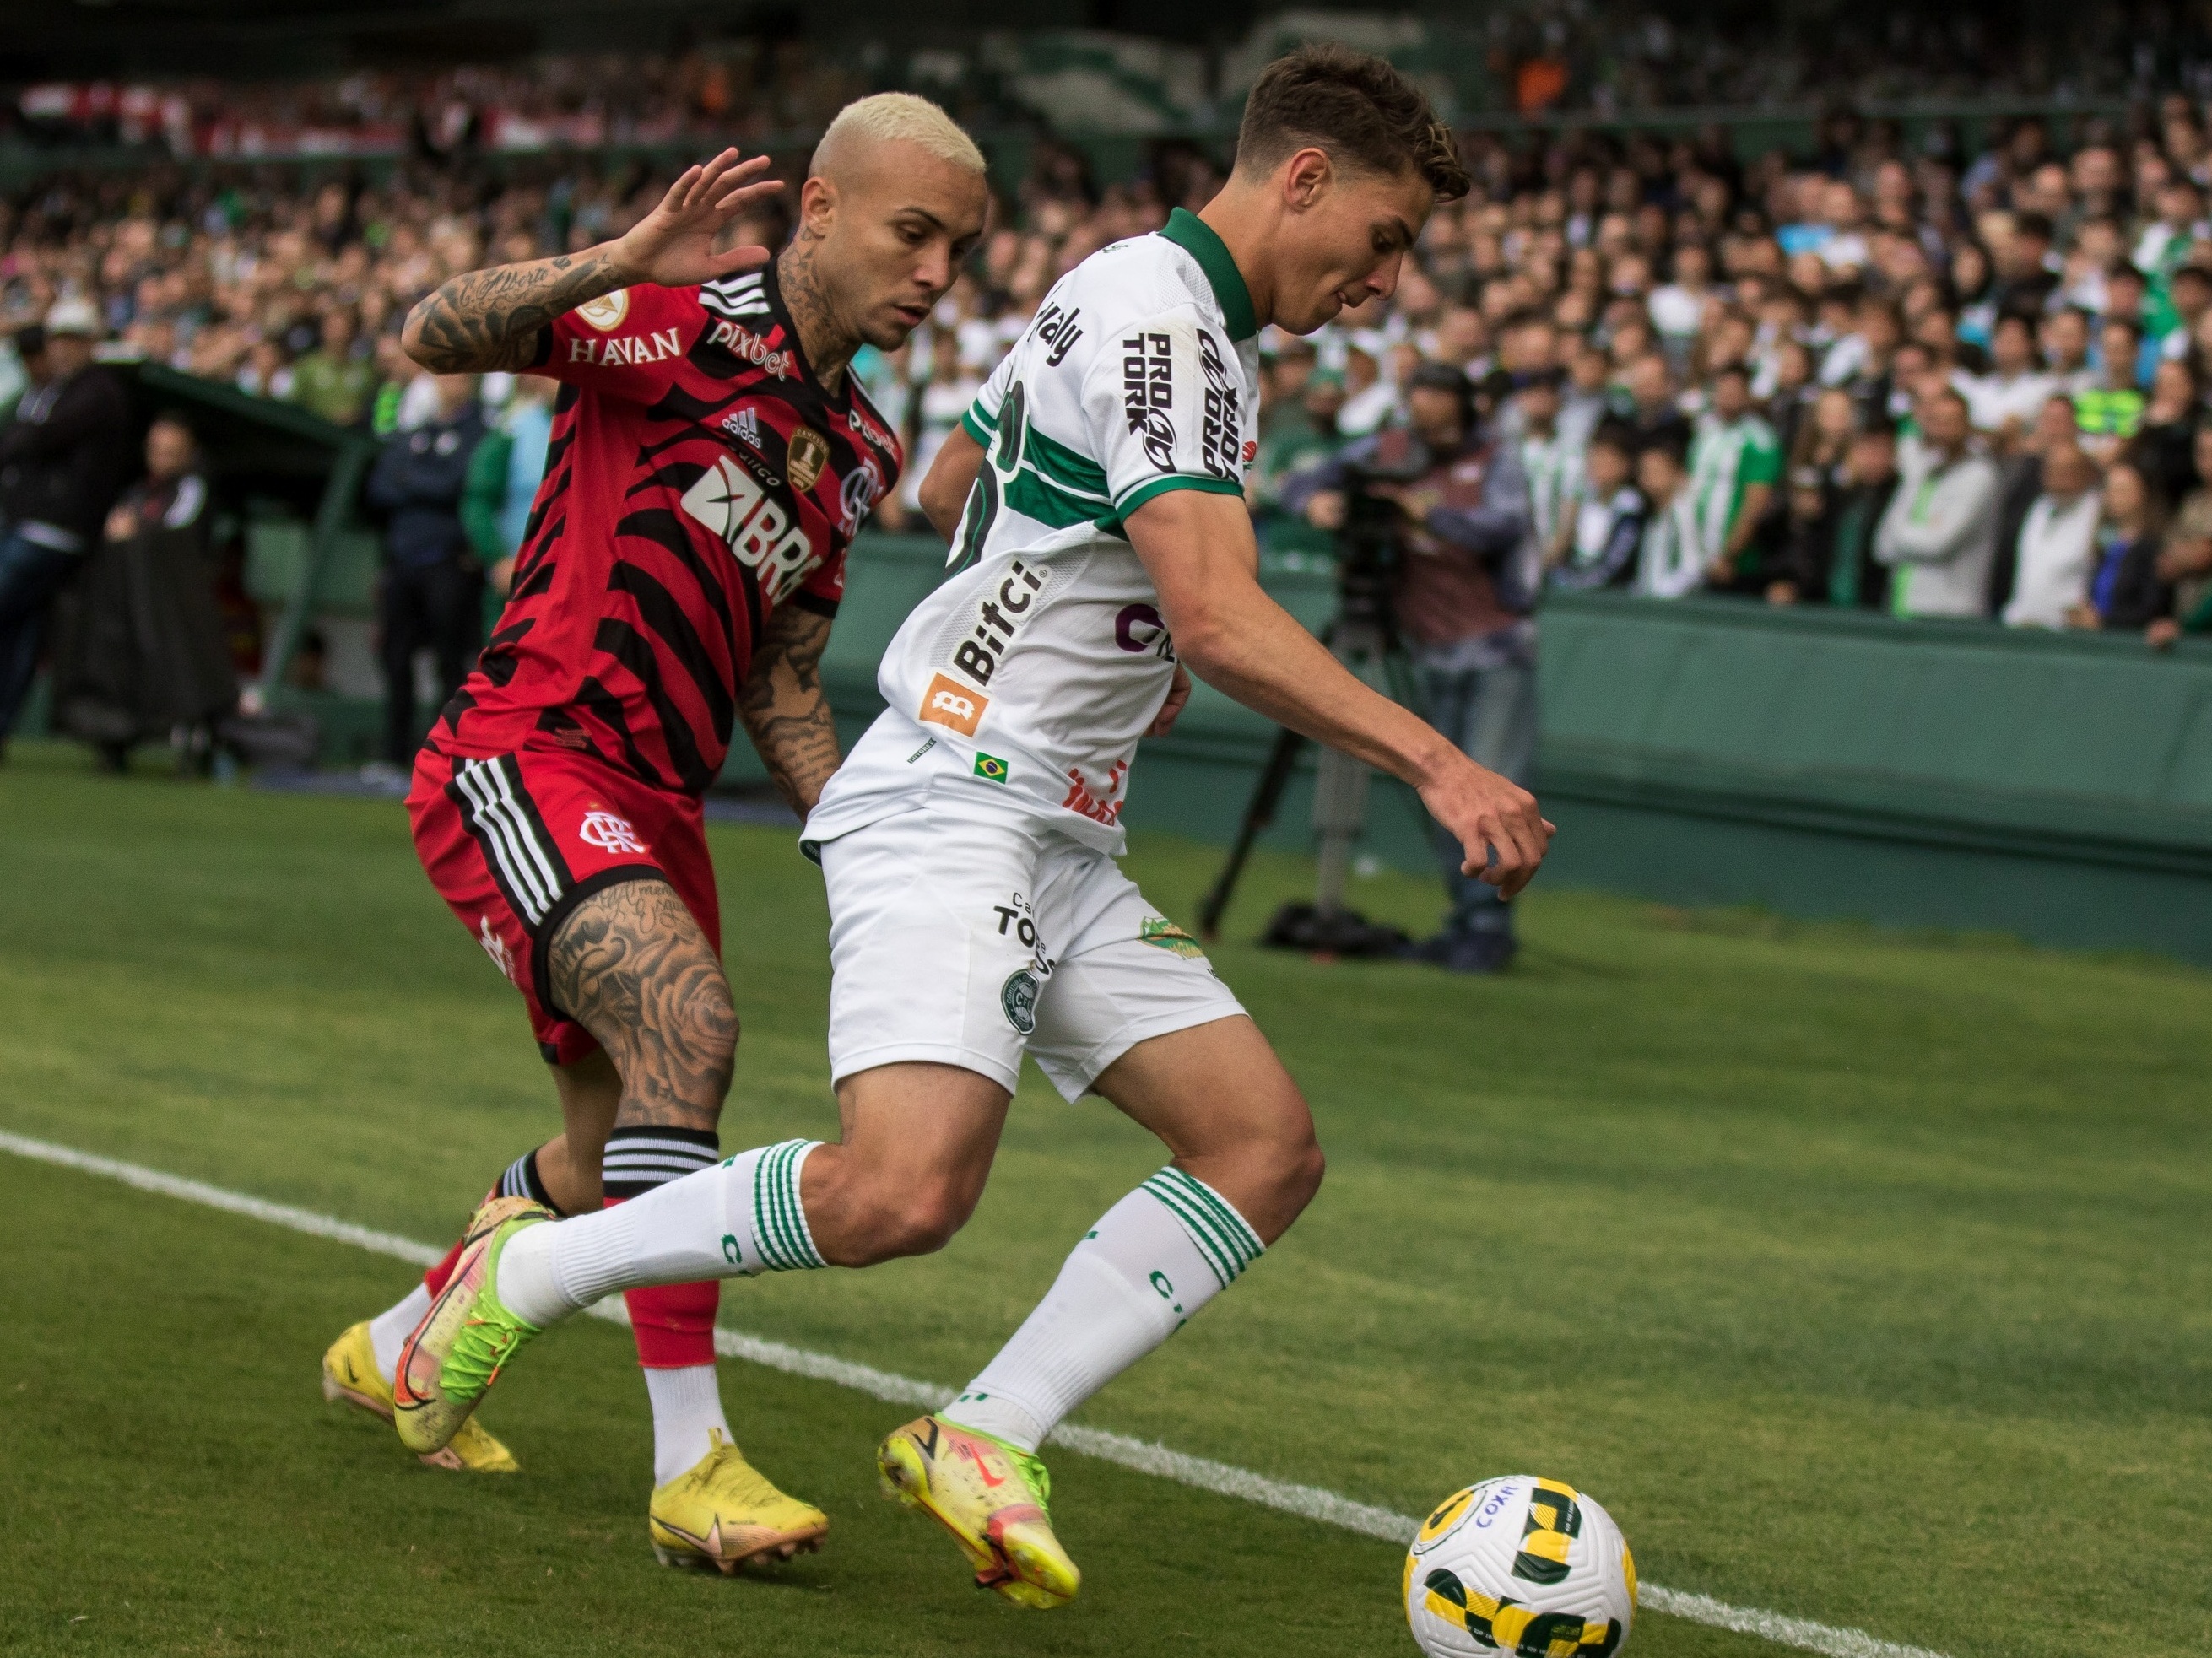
(609, 833)
(990, 768)
(1018, 997)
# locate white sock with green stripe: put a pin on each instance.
(736, 1219)
(1153, 1259)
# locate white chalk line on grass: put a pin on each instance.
(1308, 1501)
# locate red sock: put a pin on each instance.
(673, 1324)
(434, 1280)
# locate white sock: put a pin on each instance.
(1150, 1264)
(735, 1220)
(390, 1328)
(686, 1403)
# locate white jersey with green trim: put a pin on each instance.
(1024, 681)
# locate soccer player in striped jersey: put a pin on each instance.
(978, 913)
(711, 460)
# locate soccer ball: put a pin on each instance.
(1520, 1565)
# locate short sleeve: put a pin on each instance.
(1164, 403)
(1762, 460)
(630, 344)
(824, 590)
(981, 420)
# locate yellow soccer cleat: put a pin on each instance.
(722, 1513)
(466, 1338)
(349, 1374)
(992, 1498)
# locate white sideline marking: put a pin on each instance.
(1308, 1502)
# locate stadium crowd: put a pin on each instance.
(1894, 377)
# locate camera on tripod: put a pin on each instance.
(1363, 637)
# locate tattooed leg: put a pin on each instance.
(632, 967)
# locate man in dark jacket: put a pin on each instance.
(62, 459)
(144, 656)
(1464, 593)
(432, 594)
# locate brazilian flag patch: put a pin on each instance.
(990, 768)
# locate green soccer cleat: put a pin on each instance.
(992, 1498)
(450, 1360)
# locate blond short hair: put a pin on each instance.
(892, 115)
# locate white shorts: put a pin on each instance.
(966, 940)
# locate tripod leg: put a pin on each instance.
(1258, 812)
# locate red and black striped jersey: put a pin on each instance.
(698, 476)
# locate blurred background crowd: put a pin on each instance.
(1936, 362)
(1909, 377)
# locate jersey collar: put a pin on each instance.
(1196, 237)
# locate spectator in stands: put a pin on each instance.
(2064, 339)
(2163, 445)
(23, 366)
(2110, 408)
(2005, 401)
(1735, 464)
(146, 658)
(527, 422)
(1830, 556)
(335, 380)
(1550, 459)
(2126, 589)
(61, 457)
(2186, 559)
(1939, 533)
(1671, 560)
(2057, 541)
(430, 597)
(1601, 531)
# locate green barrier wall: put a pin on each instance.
(1939, 775)
(1948, 775)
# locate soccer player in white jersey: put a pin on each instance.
(1101, 548)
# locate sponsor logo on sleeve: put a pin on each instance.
(945, 703)
(628, 350)
(757, 530)
(1219, 433)
(1002, 613)
(1148, 394)
(606, 313)
(808, 454)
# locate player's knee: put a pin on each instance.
(917, 1220)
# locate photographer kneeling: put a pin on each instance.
(1463, 571)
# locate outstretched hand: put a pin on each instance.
(1495, 821)
(674, 245)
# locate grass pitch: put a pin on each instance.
(1863, 1279)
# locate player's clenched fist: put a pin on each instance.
(1495, 821)
(674, 244)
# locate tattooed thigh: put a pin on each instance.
(632, 967)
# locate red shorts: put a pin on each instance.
(516, 842)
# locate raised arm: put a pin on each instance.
(783, 707)
(488, 319)
(1199, 551)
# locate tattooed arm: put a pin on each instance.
(783, 707)
(487, 319)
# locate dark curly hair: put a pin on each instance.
(1359, 109)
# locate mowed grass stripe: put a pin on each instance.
(1306, 1502)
